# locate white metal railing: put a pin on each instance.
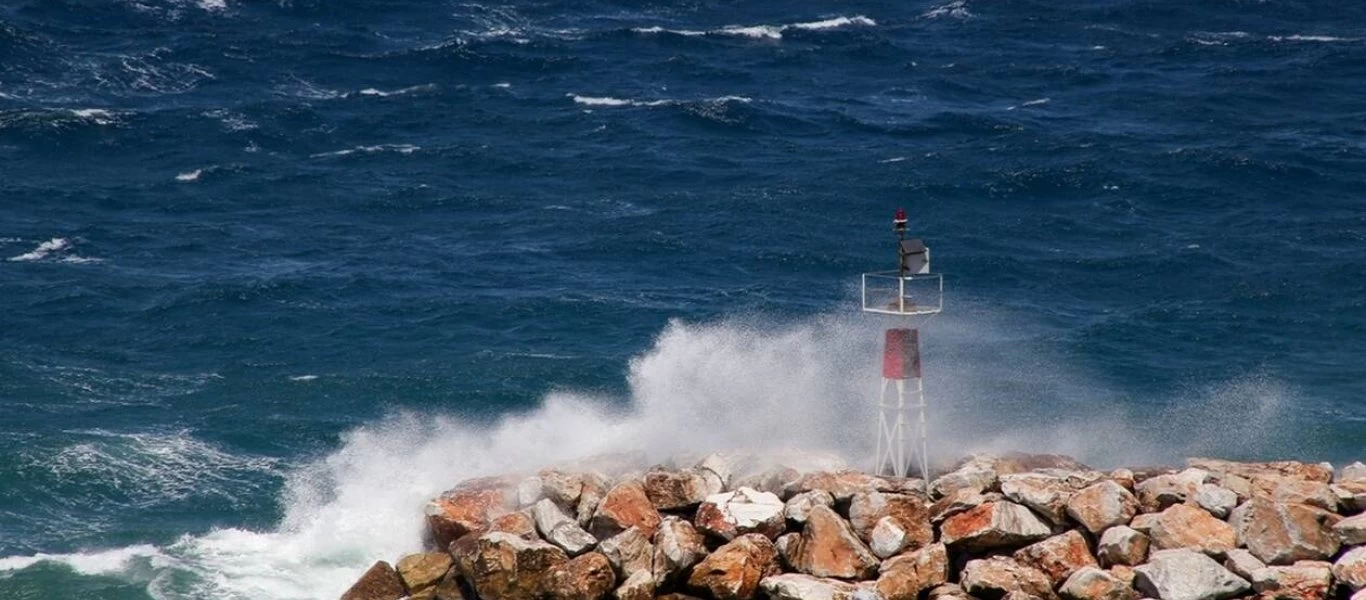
(890, 293)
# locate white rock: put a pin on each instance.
(888, 538)
(1353, 472)
(1352, 530)
(1218, 501)
(529, 491)
(795, 586)
(548, 515)
(1242, 563)
(799, 505)
(1187, 575)
(1121, 545)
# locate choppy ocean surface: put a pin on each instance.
(274, 273)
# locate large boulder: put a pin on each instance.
(518, 523)
(742, 511)
(1352, 530)
(1057, 557)
(973, 477)
(502, 566)
(904, 513)
(1350, 568)
(675, 490)
(905, 576)
(1045, 494)
(1121, 545)
(639, 586)
(629, 552)
(380, 582)
(998, 576)
(562, 487)
(1305, 580)
(592, 490)
(1313, 493)
(734, 570)
(1092, 583)
(1186, 526)
(842, 485)
(959, 502)
(1351, 496)
(587, 577)
(795, 586)
(1280, 534)
(798, 506)
(1187, 575)
(1102, 505)
(468, 508)
(994, 525)
(1156, 494)
(1353, 472)
(559, 529)
(1242, 563)
(1218, 501)
(677, 547)
(623, 507)
(423, 570)
(1321, 472)
(828, 547)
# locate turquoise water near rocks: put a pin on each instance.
(272, 273)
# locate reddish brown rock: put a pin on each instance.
(960, 502)
(1351, 496)
(734, 570)
(677, 547)
(1305, 580)
(1046, 495)
(1057, 557)
(745, 510)
(674, 490)
(423, 570)
(1350, 568)
(911, 514)
(905, 576)
(623, 507)
(842, 485)
(1280, 534)
(1021, 462)
(1186, 526)
(1287, 469)
(1123, 477)
(994, 525)
(518, 524)
(1313, 493)
(1091, 583)
(828, 547)
(502, 566)
(380, 582)
(586, 577)
(1102, 505)
(1121, 545)
(640, 586)
(998, 576)
(1242, 563)
(467, 509)
(1156, 494)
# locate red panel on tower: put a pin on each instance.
(901, 357)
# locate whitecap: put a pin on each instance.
(1038, 102)
(189, 176)
(502, 85)
(303, 377)
(613, 102)
(1310, 38)
(399, 92)
(770, 32)
(43, 250)
(958, 9)
(398, 148)
(894, 159)
(108, 562)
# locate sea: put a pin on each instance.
(275, 272)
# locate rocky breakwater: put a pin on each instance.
(1012, 527)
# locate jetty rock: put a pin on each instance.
(805, 526)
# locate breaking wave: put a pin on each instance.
(772, 32)
(610, 101)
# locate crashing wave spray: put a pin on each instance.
(741, 383)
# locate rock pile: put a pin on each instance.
(1012, 527)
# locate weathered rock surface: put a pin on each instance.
(1280, 534)
(842, 485)
(828, 547)
(1218, 501)
(502, 566)
(1305, 580)
(1350, 568)
(587, 577)
(1092, 583)
(519, 524)
(559, 529)
(906, 576)
(888, 538)
(677, 547)
(795, 586)
(998, 576)
(1321, 472)
(972, 477)
(1045, 494)
(1057, 557)
(1156, 494)
(1351, 496)
(1187, 575)
(734, 570)
(467, 509)
(1122, 545)
(1186, 526)
(674, 490)
(1352, 530)
(629, 552)
(908, 513)
(639, 586)
(624, 506)
(960, 502)
(1102, 505)
(799, 505)
(743, 511)
(423, 570)
(381, 582)
(1242, 563)
(1313, 493)
(992, 525)
(1353, 472)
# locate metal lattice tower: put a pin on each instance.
(913, 294)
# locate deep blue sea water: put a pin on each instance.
(274, 272)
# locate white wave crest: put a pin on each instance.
(1037, 102)
(43, 250)
(958, 9)
(426, 87)
(398, 148)
(772, 32)
(108, 562)
(1310, 38)
(189, 176)
(610, 101)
